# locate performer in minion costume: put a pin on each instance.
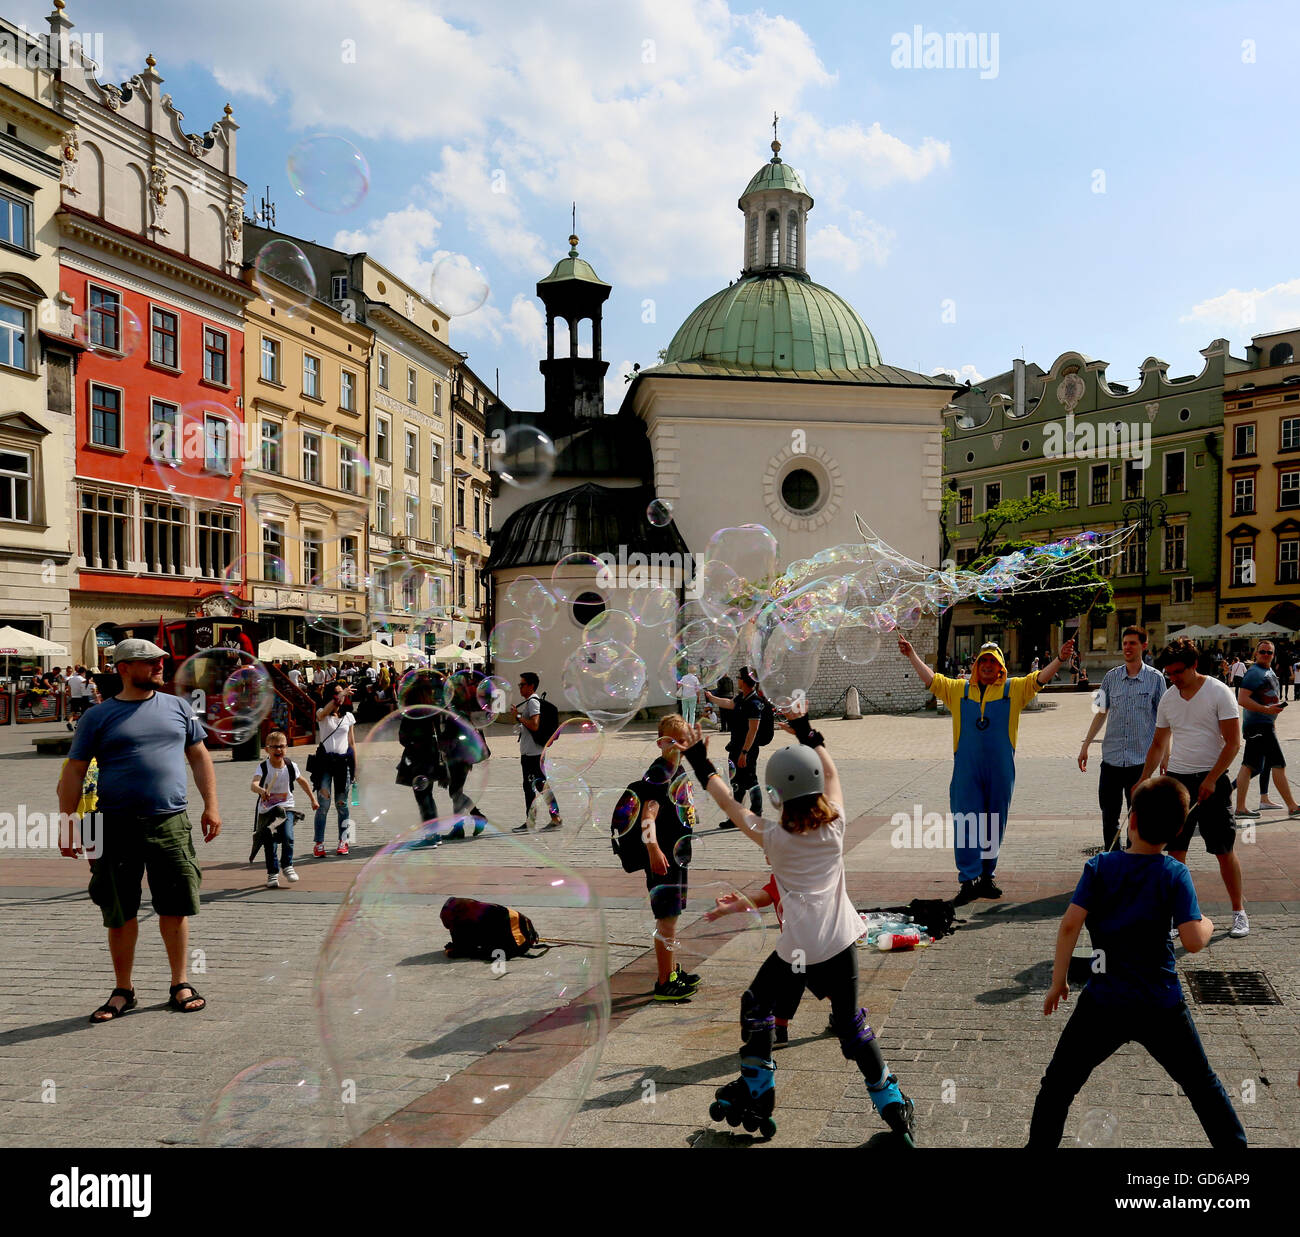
(985, 721)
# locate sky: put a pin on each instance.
(1115, 180)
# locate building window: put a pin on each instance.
(436, 532)
(800, 491)
(216, 538)
(965, 506)
(216, 444)
(105, 416)
(15, 217)
(271, 446)
(105, 528)
(383, 370)
(347, 391)
(1130, 562)
(1288, 491)
(164, 441)
(1133, 478)
(1175, 547)
(436, 592)
(1281, 354)
(412, 516)
(435, 458)
(1068, 487)
(1243, 440)
(382, 591)
(1243, 564)
(992, 494)
(478, 459)
(1100, 492)
(164, 336)
(1243, 496)
(586, 606)
(1175, 472)
(1288, 561)
(311, 555)
(1290, 440)
(273, 554)
(105, 319)
(773, 239)
(460, 506)
(382, 453)
(437, 399)
(477, 528)
(412, 450)
(310, 376)
(411, 387)
(348, 573)
(13, 337)
(460, 587)
(410, 592)
(270, 360)
(216, 356)
(16, 486)
(347, 467)
(338, 287)
(1182, 591)
(460, 438)
(164, 526)
(1038, 484)
(381, 510)
(311, 457)
(487, 514)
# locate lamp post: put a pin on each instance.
(1147, 514)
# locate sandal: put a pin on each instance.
(173, 1002)
(112, 1010)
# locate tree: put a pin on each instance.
(1077, 587)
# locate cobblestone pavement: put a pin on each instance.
(960, 1023)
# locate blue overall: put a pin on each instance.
(983, 779)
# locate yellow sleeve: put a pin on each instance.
(1023, 690)
(948, 690)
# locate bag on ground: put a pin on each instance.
(486, 930)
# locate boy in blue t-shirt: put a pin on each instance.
(1128, 899)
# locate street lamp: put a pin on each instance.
(1148, 514)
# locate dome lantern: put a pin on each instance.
(775, 205)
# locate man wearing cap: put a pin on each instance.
(138, 738)
(985, 719)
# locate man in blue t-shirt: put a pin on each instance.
(142, 739)
(1128, 899)
(1260, 698)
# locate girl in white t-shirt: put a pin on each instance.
(816, 948)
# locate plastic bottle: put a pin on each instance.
(888, 941)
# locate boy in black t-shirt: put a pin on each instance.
(744, 714)
(667, 815)
(1128, 899)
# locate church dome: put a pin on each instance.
(776, 322)
(776, 175)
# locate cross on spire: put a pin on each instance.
(775, 118)
(776, 145)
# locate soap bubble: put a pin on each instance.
(228, 690)
(606, 681)
(328, 173)
(652, 606)
(856, 641)
(789, 665)
(659, 513)
(276, 1103)
(611, 625)
(455, 1050)
(749, 553)
(529, 598)
(111, 331)
(614, 810)
(573, 749)
(284, 277)
(576, 567)
(457, 286)
(493, 695)
(522, 456)
(514, 640)
(1098, 1128)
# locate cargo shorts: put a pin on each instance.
(160, 846)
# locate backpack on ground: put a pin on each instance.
(766, 723)
(487, 931)
(625, 834)
(548, 721)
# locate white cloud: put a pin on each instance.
(1252, 312)
(963, 373)
(405, 241)
(616, 380)
(865, 241)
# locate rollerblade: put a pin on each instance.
(895, 1109)
(749, 1100)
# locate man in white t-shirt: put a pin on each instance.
(1238, 671)
(1198, 733)
(529, 716)
(78, 695)
(295, 676)
(335, 765)
(688, 694)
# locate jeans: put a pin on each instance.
(746, 779)
(688, 710)
(533, 778)
(1096, 1031)
(1115, 787)
(338, 778)
(286, 847)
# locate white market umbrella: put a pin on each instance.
(375, 650)
(15, 643)
(281, 650)
(1219, 630)
(453, 652)
(1195, 633)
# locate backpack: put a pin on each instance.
(766, 723)
(626, 839)
(485, 930)
(548, 722)
(262, 770)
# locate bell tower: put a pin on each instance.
(575, 385)
(775, 205)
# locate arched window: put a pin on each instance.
(773, 239)
(1281, 354)
(792, 238)
(751, 242)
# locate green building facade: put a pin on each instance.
(1114, 453)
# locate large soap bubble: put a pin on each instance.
(606, 681)
(228, 690)
(748, 558)
(328, 173)
(280, 1102)
(522, 456)
(457, 285)
(283, 277)
(789, 666)
(440, 1049)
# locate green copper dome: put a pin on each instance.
(776, 323)
(573, 267)
(775, 175)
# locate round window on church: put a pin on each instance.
(801, 491)
(586, 606)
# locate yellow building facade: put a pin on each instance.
(470, 500)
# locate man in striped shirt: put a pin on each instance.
(1126, 705)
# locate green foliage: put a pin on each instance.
(1076, 588)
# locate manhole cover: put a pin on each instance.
(1231, 988)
